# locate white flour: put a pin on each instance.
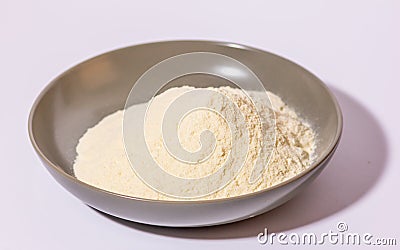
(101, 160)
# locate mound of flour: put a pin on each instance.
(102, 162)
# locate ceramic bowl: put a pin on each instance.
(83, 95)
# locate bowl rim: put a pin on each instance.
(326, 154)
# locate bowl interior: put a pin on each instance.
(82, 96)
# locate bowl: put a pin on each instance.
(83, 95)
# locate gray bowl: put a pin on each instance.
(83, 95)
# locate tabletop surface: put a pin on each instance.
(353, 46)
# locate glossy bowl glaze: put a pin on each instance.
(83, 95)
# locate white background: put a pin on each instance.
(354, 46)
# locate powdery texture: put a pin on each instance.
(101, 160)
